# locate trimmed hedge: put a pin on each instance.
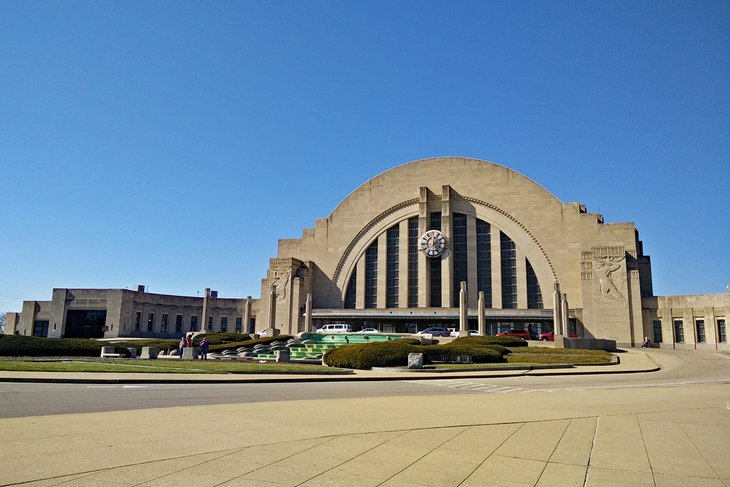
(480, 354)
(29, 346)
(488, 340)
(365, 356)
(395, 353)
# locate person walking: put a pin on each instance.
(182, 345)
(204, 348)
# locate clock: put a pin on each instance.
(433, 243)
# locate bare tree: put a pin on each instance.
(2, 323)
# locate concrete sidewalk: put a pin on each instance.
(631, 361)
(659, 436)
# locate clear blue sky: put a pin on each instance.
(172, 143)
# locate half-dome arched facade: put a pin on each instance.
(450, 242)
(370, 263)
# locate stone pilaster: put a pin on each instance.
(481, 318)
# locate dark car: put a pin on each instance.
(515, 332)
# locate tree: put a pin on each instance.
(2, 323)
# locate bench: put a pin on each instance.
(111, 352)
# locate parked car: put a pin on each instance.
(453, 332)
(550, 336)
(369, 330)
(437, 331)
(547, 337)
(515, 332)
(335, 328)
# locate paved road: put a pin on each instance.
(668, 428)
(679, 369)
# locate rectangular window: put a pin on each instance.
(413, 262)
(459, 252)
(40, 329)
(371, 275)
(484, 262)
(239, 324)
(210, 323)
(150, 321)
(721, 333)
(678, 331)
(224, 324)
(700, 325)
(657, 325)
(137, 320)
(392, 260)
(178, 323)
(163, 323)
(193, 323)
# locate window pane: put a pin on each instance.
(509, 272)
(484, 262)
(459, 252)
(371, 275)
(392, 263)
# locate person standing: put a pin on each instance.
(204, 348)
(182, 344)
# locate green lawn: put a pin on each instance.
(163, 366)
(543, 356)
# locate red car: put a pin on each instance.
(547, 337)
(515, 332)
(550, 336)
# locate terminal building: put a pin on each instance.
(395, 254)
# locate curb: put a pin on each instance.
(349, 378)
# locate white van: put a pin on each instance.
(335, 328)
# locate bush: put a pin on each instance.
(479, 353)
(493, 340)
(395, 353)
(368, 355)
(27, 346)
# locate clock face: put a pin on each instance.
(433, 243)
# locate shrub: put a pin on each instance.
(368, 355)
(395, 353)
(479, 353)
(493, 340)
(27, 346)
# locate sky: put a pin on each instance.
(172, 143)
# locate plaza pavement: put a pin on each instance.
(654, 436)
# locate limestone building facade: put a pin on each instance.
(394, 254)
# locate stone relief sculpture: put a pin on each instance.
(606, 268)
(280, 282)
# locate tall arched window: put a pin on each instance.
(371, 275)
(509, 272)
